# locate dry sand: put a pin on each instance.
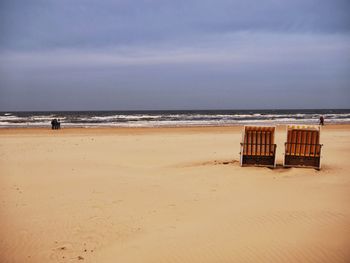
(168, 195)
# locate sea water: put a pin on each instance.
(172, 118)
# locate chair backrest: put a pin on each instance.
(303, 140)
(259, 140)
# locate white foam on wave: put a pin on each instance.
(172, 119)
(45, 117)
(11, 117)
(118, 116)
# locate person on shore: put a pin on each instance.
(55, 124)
(321, 120)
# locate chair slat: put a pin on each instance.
(313, 141)
(258, 142)
(251, 143)
(301, 142)
(307, 141)
(271, 146)
(245, 142)
(294, 140)
(268, 142)
(263, 145)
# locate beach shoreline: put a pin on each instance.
(107, 130)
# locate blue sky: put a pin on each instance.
(127, 55)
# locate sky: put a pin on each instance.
(183, 54)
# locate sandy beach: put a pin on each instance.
(168, 195)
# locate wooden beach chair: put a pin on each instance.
(303, 148)
(258, 147)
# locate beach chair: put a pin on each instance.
(258, 147)
(303, 148)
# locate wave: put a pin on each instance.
(166, 118)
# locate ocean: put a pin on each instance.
(172, 118)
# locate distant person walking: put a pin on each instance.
(321, 120)
(55, 124)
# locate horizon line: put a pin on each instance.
(157, 110)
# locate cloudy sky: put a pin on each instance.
(183, 54)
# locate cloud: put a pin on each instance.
(85, 24)
(238, 48)
(242, 70)
(90, 54)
